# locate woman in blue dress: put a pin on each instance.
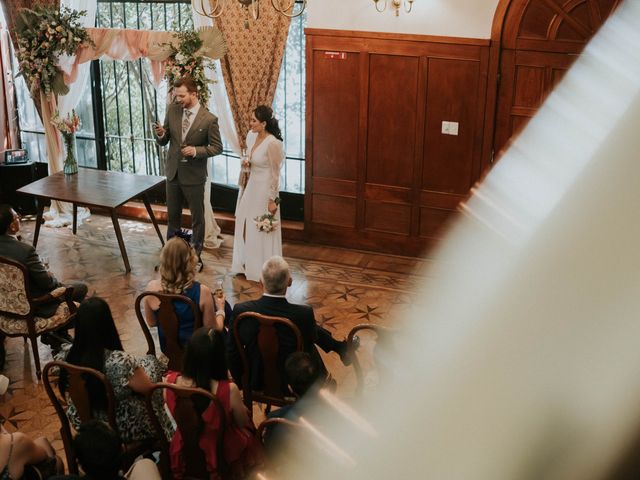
(177, 275)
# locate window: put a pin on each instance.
(120, 103)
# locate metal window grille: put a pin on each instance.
(119, 104)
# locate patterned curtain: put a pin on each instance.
(8, 118)
(254, 55)
(11, 8)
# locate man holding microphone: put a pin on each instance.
(193, 136)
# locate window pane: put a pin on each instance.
(32, 132)
(130, 102)
(289, 106)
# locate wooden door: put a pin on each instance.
(540, 41)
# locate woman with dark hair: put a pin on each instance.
(97, 345)
(254, 244)
(204, 366)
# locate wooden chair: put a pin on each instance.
(79, 395)
(356, 342)
(272, 422)
(268, 344)
(17, 307)
(187, 421)
(169, 323)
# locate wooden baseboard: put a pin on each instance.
(293, 231)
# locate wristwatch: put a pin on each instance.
(220, 312)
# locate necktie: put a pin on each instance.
(185, 123)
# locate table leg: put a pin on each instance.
(75, 218)
(123, 251)
(40, 203)
(145, 199)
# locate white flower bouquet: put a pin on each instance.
(266, 223)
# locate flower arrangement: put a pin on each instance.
(43, 34)
(67, 125)
(191, 53)
(266, 223)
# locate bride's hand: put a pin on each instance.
(272, 207)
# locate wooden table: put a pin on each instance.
(94, 188)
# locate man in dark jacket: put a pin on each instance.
(276, 279)
(41, 280)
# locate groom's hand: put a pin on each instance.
(188, 151)
(159, 129)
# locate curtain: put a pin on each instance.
(114, 43)
(8, 118)
(219, 105)
(60, 214)
(11, 8)
(251, 66)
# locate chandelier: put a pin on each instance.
(284, 7)
(395, 4)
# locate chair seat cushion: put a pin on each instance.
(18, 326)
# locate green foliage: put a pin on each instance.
(187, 60)
(44, 33)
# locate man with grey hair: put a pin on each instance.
(276, 279)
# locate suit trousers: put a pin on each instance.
(194, 195)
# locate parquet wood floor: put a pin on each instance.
(345, 288)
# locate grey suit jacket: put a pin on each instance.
(204, 134)
(41, 281)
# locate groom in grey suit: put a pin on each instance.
(193, 136)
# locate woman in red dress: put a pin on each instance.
(205, 367)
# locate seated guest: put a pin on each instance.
(205, 367)
(275, 281)
(177, 275)
(41, 280)
(17, 451)
(304, 377)
(97, 345)
(99, 452)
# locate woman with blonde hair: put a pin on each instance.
(177, 275)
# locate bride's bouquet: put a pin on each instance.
(266, 223)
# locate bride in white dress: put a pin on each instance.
(251, 247)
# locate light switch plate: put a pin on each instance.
(445, 128)
(453, 128)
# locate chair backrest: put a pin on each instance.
(269, 423)
(268, 344)
(169, 322)
(368, 352)
(76, 389)
(14, 289)
(188, 421)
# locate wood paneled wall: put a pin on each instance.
(381, 174)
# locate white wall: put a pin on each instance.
(454, 18)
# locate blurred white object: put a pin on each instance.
(521, 361)
(4, 384)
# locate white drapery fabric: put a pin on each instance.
(219, 106)
(60, 214)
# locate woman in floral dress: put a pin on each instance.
(97, 345)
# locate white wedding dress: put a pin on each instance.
(251, 247)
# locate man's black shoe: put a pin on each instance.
(3, 354)
(64, 336)
(348, 351)
(54, 341)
